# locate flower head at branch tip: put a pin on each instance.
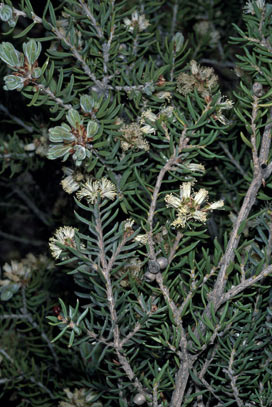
(15, 272)
(128, 224)
(91, 190)
(249, 8)
(203, 79)
(188, 205)
(141, 238)
(137, 22)
(149, 115)
(133, 137)
(71, 182)
(64, 235)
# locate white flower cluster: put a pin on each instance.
(137, 22)
(15, 272)
(249, 9)
(188, 206)
(64, 235)
(133, 136)
(205, 28)
(91, 190)
(222, 104)
(203, 79)
(71, 182)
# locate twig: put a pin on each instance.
(23, 240)
(16, 119)
(40, 215)
(232, 159)
(233, 379)
(174, 248)
(248, 202)
(87, 12)
(106, 269)
(174, 18)
(243, 285)
(22, 376)
(106, 50)
(48, 92)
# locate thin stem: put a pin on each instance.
(106, 269)
(233, 379)
(23, 240)
(48, 92)
(88, 13)
(232, 159)
(174, 18)
(16, 119)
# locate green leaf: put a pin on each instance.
(32, 50)
(10, 55)
(57, 151)
(60, 133)
(13, 82)
(25, 31)
(5, 13)
(245, 140)
(187, 248)
(73, 118)
(92, 128)
(178, 41)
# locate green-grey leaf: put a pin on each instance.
(87, 103)
(92, 128)
(57, 151)
(12, 23)
(32, 50)
(36, 73)
(13, 82)
(8, 291)
(10, 55)
(178, 41)
(60, 133)
(80, 153)
(73, 118)
(5, 13)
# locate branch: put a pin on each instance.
(87, 12)
(233, 379)
(16, 119)
(243, 285)
(232, 159)
(106, 269)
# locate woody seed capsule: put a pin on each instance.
(149, 277)
(163, 262)
(139, 399)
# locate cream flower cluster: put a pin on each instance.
(188, 205)
(203, 79)
(249, 8)
(133, 136)
(91, 190)
(71, 182)
(15, 272)
(64, 235)
(138, 22)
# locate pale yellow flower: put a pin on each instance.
(91, 190)
(64, 235)
(136, 22)
(142, 238)
(188, 205)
